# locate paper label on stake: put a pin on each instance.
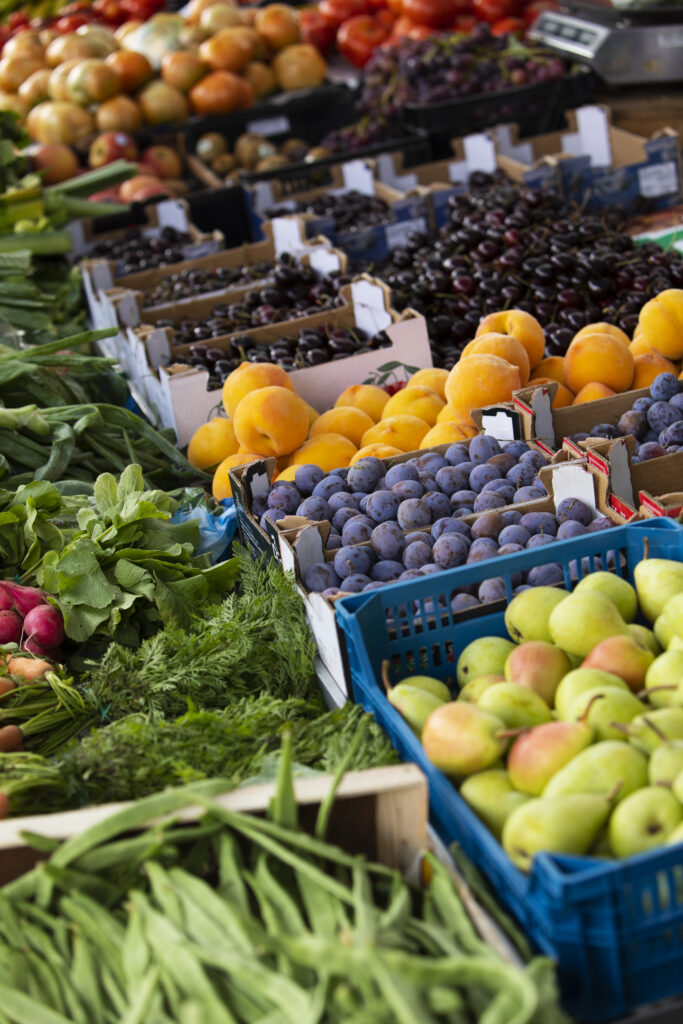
(358, 175)
(369, 308)
(270, 126)
(502, 425)
(287, 235)
(397, 234)
(572, 480)
(658, 179)
(172, 214)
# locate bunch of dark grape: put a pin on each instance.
(135, 252)
(350, 211)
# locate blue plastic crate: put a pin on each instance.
(615, 928)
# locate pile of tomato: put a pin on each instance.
(110, 13)
(358, 27)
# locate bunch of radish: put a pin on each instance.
(29, 620)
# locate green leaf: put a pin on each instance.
(133, 578)
(80, 578)
(178, 601)
(81, 621)
(130, 481)
(106, 492)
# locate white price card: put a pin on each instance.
(270, 126)
(397, 234)
(658, 179)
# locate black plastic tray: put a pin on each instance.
(535, 108)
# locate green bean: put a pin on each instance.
(283, 809)
(221, 920)
(286, 910)
(84, 977)
(10, 923)
(291, 998)
(404, 1001)
(139, 1009)
(63, 443)
(98, 926)
(44, 983)
(25, 1010)
(319, 905)
(452, 911)
(230, 881)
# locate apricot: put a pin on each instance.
(661, 323)
(367, 397)
(602, 327)
(271, 421)
(503, 345)
(415, 400)
(598, 358)
(551, 367)
(647, 366)
(639, 346)
(404, 432)
(522, 326)
(481, 379)
(211, 443)
(345, 420)
(447, 433)
(378, 451)
(220, 487)
(328, 451)
(288, 473)
(451, 414)
(431, 377)
(249, 377)
(591, 392)
(312, 413)
(563, 395)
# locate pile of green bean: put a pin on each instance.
(236, 919)
(78, 442)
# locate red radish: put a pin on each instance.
(10, 628)
(30, 645)
(45, 626)
(23, 598)
(5, 603)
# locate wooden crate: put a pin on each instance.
(379, 812)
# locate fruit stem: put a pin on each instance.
(646, 548)
(591, 702)
(656, 730)
(620, 727)
(385, 676)
(507, 733)
(614, 792)
(655, 689)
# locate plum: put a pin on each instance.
(437, 503)
(516, 448)
(320, 576)
(307, 477)
(483, 474)
(642, 404)
(661, 415)
(456, 454)
(342, 516)
(400, 472)
(534, 458)
(286, 498)
(386, 570)
(503, 462)
(387, 540)
(649, 450)
(545, 575)
(452, 478)
(342, 499)
(430, 462)
(417, 554)
(571, 528)
(488, 525)
(461, 602)
(633, 422)
(334, 541)
(528, 494)
(574, 508)
(521, 475)
(420, 535)
(354, 583)
(664, 387)
(358, 530)
(483, 447)
(513, 534)
(365, 474)
(408, 489)
(488, 500)
(464, 497)
(382, 506)
(539, 540)
(540, 522)
(449, 550)
(448, 525)
(492, 590)
(350, 560)
(314, 508)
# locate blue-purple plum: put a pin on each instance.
(452, 478)
(633, 422)
(643, 404)
(387, 540)
(571, 528)
(328, 486)
(417, 554)
(535, 458)
(540, 522)
(413, 513)
(401, 471)
(449, 550)
(511, 517)
(408, 489)
(492, 590)
(574, 508)
(272, 514)
(332, 592)
(456, 454)
(539, 540)
(488, 525)
(355, 583)
(464, 497)
(420, 535)
(259, 504)
(514, 534)
(382, 506)
(386, 570)
(286, 498)
(342, 516)
(676, 401)
(449, 525)
(409, 574)
(334, 542)
(661, 415)
(320, 576)
(461, 602)
(673, 435)
(365, 474)
(350, 560)
(516, 448)
(522, 474)
(488, 500)
(501, 487)
(528, 494)
(482, 447)
(510, 549)
(429, 568)
(375, 585)
(545, 575)
(358, 530)
(437, 503)
(483, 474)
(664, 387)
(503, 462)
(314, 508)
(307, 477)
(342, 499)
(482, 549)
(600, 523)
(606, 430)
(650, 450)
(462, 511)
(428, 481)
(430, 462)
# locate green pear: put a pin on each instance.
(610, 768)
(561, 824)
(492, 797)
(581, 680)
(605, 709)
(643, 821)
(645, 637)
(670, 623)
(473, 690)
(483, 656)
(582, 620)
(620, 592)
(624, 657)
(676, 836)
(414, 705)
(647, 731)
(526, 617)
(601, 846)
(539, 666)
(664, 680)
(515, 704)
(460, 738)
(676, 644)
(540, 752)
(657, 581)
(677, 787)
(429, 685)
(666, 761)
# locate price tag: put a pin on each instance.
(270, 126)
(397, 234)
(658, 179)
(502, 425)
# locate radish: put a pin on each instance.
(44, 625)
(33, 647)
(10, 627)
(5, 603)
(23, 598)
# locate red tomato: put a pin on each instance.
(406, 28)
(386, 18)
(374, 6)
(465, 23)
(70, 23)
(492, 10)
(396, 6)
(435, 13)
(337, 11)
(315, 29)
(110, 10)
(359, 37)
(509, 25)
(17, 19)
(531, 11)
(140, 10)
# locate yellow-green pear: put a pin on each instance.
(677, 787)
(483, 656)
(605, 709)
(619, 591)
(657, 581)
(538, 753)
(562, 824)
(538, 666)
(623, 656)
(664, 680)
(473, 690)
(582, 620)
(643, 821)
(579, 681)
(676, 644)
(526, 617)
(610, 768)
(459, 738)
(666, 762)
(414, 705)
(647, 731)
(429, 685)
(676, 836)
(492, 797)
(645, 637)
(516, 705)
(670, 623)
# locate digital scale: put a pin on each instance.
(628, 44)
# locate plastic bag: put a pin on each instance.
(216, 530)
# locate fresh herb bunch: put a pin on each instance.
(138, 756)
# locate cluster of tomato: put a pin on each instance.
(359, 27)
(111, 13)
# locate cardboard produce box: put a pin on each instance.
(180, 395)
(596, 164)
(369, 244)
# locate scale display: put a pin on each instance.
(636, 43)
